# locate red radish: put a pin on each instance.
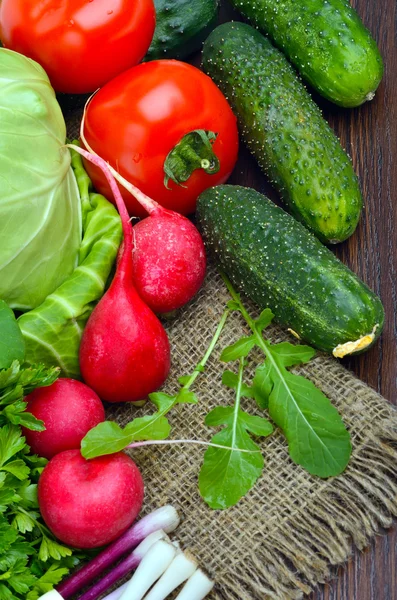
(69, 410)
(169, 256)
(169, 260)
(90, 503)
(124, 351)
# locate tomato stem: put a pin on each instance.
(194, 151)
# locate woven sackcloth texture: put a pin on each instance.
(284, 537)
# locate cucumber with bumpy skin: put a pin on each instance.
(181, 27)
(282, 266)
(326, 41)
(285, 130)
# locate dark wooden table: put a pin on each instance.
(369, 134)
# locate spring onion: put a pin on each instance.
(124, 567)
(153, 565)
(165, 518)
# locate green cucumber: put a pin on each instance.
(181, 27)
(279, 264)
(285, 130)
(326, 41)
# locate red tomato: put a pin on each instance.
(81, 44)
(134, 121)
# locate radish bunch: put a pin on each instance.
(124, 352)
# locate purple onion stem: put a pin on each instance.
(163, 518)
(122, 569)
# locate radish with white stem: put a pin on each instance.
(169, 260)
(197, 587)
(124, 351)
(165, 518)
(152, 566)
(182, 567)
(124, 567)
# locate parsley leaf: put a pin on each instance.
(31, 561)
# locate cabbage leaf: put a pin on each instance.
(53, 330)
(40, 211)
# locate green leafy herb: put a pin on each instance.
(316, 435)
(15, 384)
(108, 437)
(227, 475)
(31, 560)
(12, 346)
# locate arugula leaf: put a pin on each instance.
(230, 379)
(316, 435)
(227, 475)
(264, 320)
(108, 437)
(290, 355)
(262, 385)
(12, 345)
(240, 349)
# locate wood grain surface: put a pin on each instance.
(369, 134)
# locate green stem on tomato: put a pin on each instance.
(194, 151)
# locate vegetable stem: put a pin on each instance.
(197, 587)
(237, 401)
(251, 323)
(197, 442)
(124, 266)
(153, 565)
(124, 567)
(182, 567)
(214, 341)
(150, 205)
(165, 518)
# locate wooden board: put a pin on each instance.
(369, 134)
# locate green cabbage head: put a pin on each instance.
(40, 210)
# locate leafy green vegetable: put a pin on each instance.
(108, 437)
(15, 384)
(40, 214)
(12, 346)
(227, 475)
(316, 435)
(53, 330)
(31, 560)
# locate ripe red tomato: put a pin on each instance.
(81, 44)
(137, 119)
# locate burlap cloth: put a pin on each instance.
(287, 533)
